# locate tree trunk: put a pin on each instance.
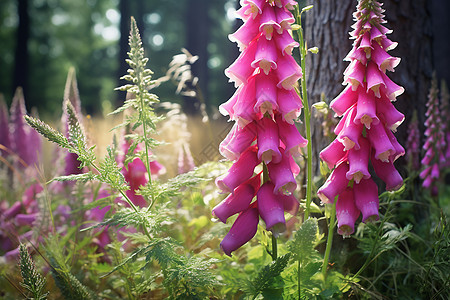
(197, 34)
(327, 26)
(21, 58)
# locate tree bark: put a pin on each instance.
(197, 34)
(21, 59)
(327, 26)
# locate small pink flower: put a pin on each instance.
(243, 230)
(366, 199)
(271, 209)
(346, 212)
(335, 184)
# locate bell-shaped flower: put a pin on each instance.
(366, 199)
(244, 112)
(374, 79)
(366, 110)
(380, 142)
(239, 200)
(243, 230)
(268, 22)
(282, 176)
(265, 56)
(266, 94)
(284, 19)
(349, 131)
(333, 154)
(335, 184)
(271, 209)
(288, 71)
(289, 104)
(246, 33)
(240, 171)
(241, 69)
(346, 212)
(388, 173)
(285, 42)
(268, 141)
(391, 117)
(354, 74)
(359, 161)
(290, 136)
(344, 100)
(390, 88)
(237, 141)
(383, 60)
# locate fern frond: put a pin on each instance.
(110, 172)
(32, 280)
(267, 274)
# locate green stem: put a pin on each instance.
(331, 225)
(274, 248)
(299, 269)
(307, 114)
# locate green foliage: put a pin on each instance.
(267, 276)
(305, 239)
(32, 280)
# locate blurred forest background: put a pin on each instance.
(41, 39)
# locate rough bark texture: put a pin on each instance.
(327, 26)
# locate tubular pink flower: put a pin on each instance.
(390, 88)
(285, 42)
(380, 142)
(359, 161)
(266, 94)
(398, 149)
(366, 110)
(284, 19)
(243, 230)
(268, 141)
(281, 175)
(374, 79)
(265, 56)
(350, 132)
(366, 199)
(246, 33)
(242, 68)
(387, 172)
(291, 138)
(333, 154)
(344, 100)
(239, 200)
(288, 71)
(289, 104)
(354, 74)
(346, 212)
(383, 60)
(390, 116)
(237, 141)
(290, 203)
(271, 209)
(335, 184)
(240, 171)
(268, 22)
(244, 112)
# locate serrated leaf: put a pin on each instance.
(302, 246)
(84, 177)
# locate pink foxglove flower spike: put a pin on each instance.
(264, 107)
(365, 132)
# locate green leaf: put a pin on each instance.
(302, 246)
(32, 280)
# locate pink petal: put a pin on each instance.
(241, 69)
(289, 104)
(268, 22)
(266, 94)
(387, 172)
(366, 199)
(354, 74)
(289, 72)
(290, 136)
(350, 133)
(380, 142)
(244, 108)
(265, 56)
(335, 184)
(391, 89)
(281, 175)
(359, 161)
(243, 230)
(284, 19)
(268, 141)
(391, 117)
(366, 109)
(271, 209)
(383, 60)
(237, 141)
(240, 171)
(285, 42)
(333, 153)
(346, 212)
(398, 149)
(374, 79)
(246, 33)
(239, 200)
(344, 100)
